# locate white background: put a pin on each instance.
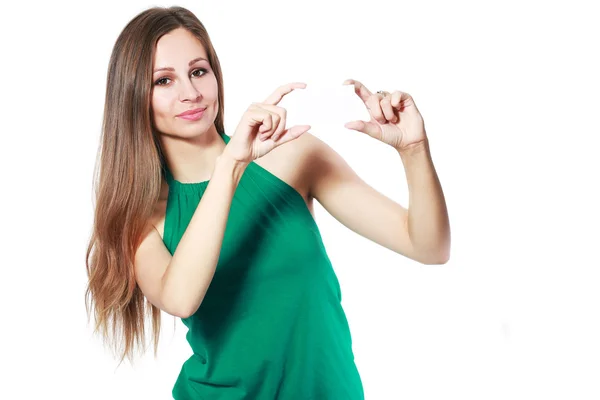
(509, 92)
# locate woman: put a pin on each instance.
(219, 230)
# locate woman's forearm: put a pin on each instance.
(428, 222)
(194, 262)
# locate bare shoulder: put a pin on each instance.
(298, 155)
(303, 152)
(293, 162)
(307, 151)
(308, 144)
(322, 166)
(287, 163)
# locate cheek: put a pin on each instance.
(161, 108)
(160, 104)
(215, 89)
(209, 88)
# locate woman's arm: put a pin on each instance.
(178, 284)
(421, 233)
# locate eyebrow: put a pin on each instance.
(173, 69)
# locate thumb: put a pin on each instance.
(369, 128)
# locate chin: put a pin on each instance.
(196, 128)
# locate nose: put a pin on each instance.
(188, 91)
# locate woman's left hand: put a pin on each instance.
(395, 119)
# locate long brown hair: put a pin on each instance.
(127, 178)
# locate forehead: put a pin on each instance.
(177, 47)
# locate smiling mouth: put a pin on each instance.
(193, 116)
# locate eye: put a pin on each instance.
(199, 69)
(158, 82)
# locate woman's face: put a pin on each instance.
(182, 81)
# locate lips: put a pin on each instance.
(191, 112)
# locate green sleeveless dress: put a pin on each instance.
(271, 325)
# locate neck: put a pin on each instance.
(192, 160)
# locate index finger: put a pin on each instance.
(360, 89)
(281, 91)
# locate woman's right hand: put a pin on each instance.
(262, 128)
